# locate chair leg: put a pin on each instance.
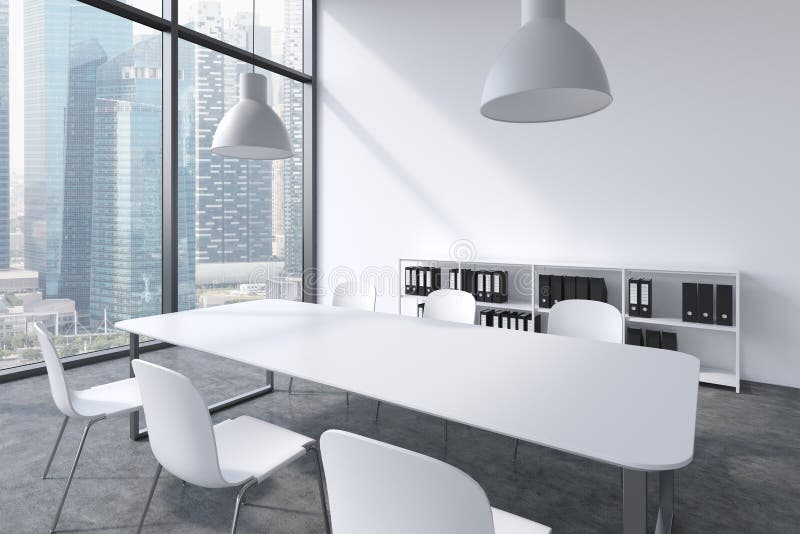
(516, 448)
(149, 498)
(322, 496)
(55, 447)
(291, 381)
(445, 429)
(378, 411)
(72, 471)
(347, 393)
(247, 485)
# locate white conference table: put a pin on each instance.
(631, 407)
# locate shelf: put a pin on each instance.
(677, 323)
(720, 377)
(512, 305)
(678, 272)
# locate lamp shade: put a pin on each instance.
(251, 129)
(547, 72)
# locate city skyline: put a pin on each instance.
(88, 224)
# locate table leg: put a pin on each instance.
(634, 501)
(666, 500)
(133, 354)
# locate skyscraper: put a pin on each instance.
(233, 196)
(5, 192)
(292, 114)
(59, 61)
(126, 232)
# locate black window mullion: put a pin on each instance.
(169, 166)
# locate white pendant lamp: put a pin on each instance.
(547, 72)
(251, 129)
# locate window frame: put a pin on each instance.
(172, 32)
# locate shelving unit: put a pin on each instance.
(718, 347)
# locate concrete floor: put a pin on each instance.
(745, 477)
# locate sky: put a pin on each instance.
(266, 11)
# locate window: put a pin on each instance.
(279, 26)
(240, 232)
(83, 95)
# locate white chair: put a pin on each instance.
(377, 487)
(587, 319)
(93, 404)
(449, 305)
(348, 296)
(236, 452)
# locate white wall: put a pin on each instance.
(696, 164)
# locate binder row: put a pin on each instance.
(640, 297)
(511, 320)
(699, 304)
(555, 288)
(652, 338)
(423, 280)
(485, 286)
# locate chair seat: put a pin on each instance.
(506, 523)
(108, 399)
(252, 448)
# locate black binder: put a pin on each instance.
(725, 305)
(633, 297)
(499, 286)
(537, 323)
(598, 290)
(480, 286)
(468, 281)
(454, 278)
(569, 287)
(544, 290)
(422, 280)
(705, 303)
(513, 320)
(556, 289)
(488, 286)
(487, 317)
(420, 309)
(690, 302)
(634, 337)
(436, 283)
(669, 340)
(408, 280)
(646, 298)
(428, 281)
(501, 319)
(412, 289)
(526, 320)
(582, 288)
(653, 338)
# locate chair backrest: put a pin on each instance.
(377, 487)
(348, 296)
(62, 395)
(178, 425)
(589, 319)
(450, 305)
